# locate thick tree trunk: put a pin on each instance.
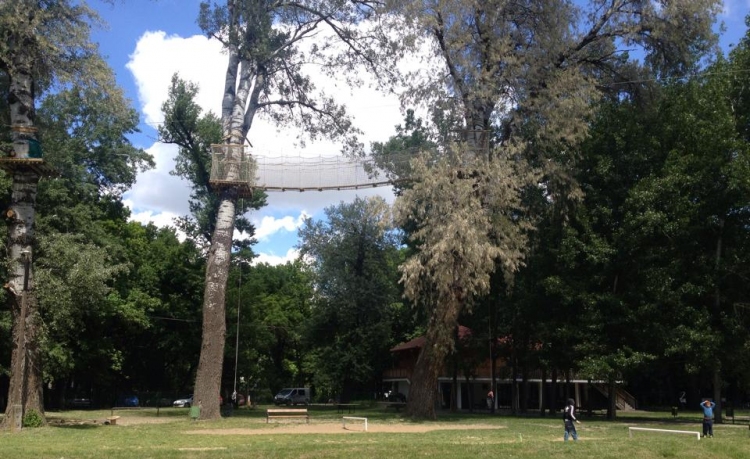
(438, 344)
(553, 392)
(210, 365)
(612, 407)
(25, 387)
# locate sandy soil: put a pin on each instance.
(337, 428)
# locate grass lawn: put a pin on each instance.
(171, 434)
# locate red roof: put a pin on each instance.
(416, 343)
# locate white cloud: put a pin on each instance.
(159, 219)
(268, 225)
(160, 197)
(274, 260)
(158, 56)
(157, 191)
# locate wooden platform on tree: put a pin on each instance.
(38, 165)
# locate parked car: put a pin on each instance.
(292, 396)
(184, 402)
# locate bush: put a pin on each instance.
(33, 418)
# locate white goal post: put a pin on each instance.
(631, 429)
(353, 418)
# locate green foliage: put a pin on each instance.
(274, 306)
(194, 132)
(411, 139)
(52, 34)
(354, 254)
(32, 418)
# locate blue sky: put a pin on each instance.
(146, 41)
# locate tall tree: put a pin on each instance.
(186, 126)
(456, 252)
(355, 255)
(266, 75)
(275, 304)
(44, 44)
(521, 77)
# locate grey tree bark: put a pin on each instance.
(25, 388)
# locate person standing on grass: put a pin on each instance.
(708, 418)
(569, 417)
(490, 399)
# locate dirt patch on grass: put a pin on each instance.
(337, 428)
(135, 420)
(121, 421)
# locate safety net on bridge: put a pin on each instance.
(317, 173)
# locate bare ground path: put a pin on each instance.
(336, 428)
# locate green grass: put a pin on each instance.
(80, 434)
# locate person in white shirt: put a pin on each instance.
(569, 417)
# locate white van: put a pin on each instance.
(293, 396)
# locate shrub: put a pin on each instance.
(33, 418)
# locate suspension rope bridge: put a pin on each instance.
(233, 166)
(318, 174)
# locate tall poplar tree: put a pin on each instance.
(521, 78)
(266, 75)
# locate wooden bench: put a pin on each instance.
(287, 413)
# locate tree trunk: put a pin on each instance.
(25, 386)
(513, 383)
(612, 407)
(717, 307)
(553, 392)
(210, 365)
(717, 393)
(438, 344)
(25, 382)
(545, 399)
(454, 387)
(525, 386)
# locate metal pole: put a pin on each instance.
(237, 335)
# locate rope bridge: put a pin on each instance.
(233, 166)
(318, 174)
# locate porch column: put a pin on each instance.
(458, 395)
(541, 394)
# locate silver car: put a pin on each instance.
(183, 402)
(292, 396)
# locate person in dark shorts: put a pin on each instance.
(569, 417)
(708, 418)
